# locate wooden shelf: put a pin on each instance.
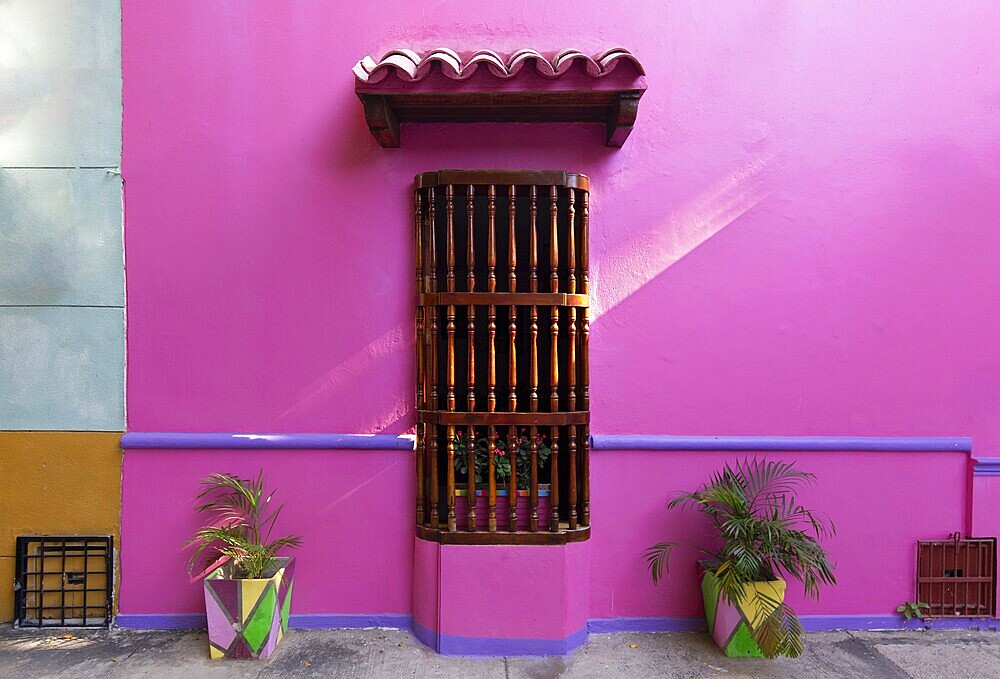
(404, 87)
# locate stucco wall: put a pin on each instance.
(61, 265)
(798, 238)
(62, 293)
(55, 483)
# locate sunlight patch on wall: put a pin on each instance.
(348, 377)
(627, 266)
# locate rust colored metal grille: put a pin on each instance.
(63, 581)
(503, 398)
(957, 577)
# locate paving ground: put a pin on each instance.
(389, 653)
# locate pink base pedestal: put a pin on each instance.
(501, 599)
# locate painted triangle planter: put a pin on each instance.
(248, 617)
(732, 626)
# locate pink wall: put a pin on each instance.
(353, 509)
(881, 504)
(798, 238)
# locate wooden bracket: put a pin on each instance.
(622, 118)
(381, 120)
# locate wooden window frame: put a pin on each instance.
(549, 297)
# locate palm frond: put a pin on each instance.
(765, 534)
(658, 557)
(241, 525)
(776, 628)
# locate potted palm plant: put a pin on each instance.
(248, 586)
(763, 535)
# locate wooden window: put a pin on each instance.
(503, 398)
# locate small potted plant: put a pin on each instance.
(501, 472)
(248, 586)
(762, 535)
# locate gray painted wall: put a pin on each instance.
(62, 295)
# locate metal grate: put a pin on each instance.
(63, 581)
(957, 577)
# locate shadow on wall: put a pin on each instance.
(618, 273)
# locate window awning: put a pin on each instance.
(444, 85)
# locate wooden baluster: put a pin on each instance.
(491, 283)
(420, 405)
(571, 447)
(554, 471)
(491, 450)
(512, 435)
(533, 377)
(585, 356)
(449, 204)
(432, 352)
(533, 442)
(470, 258)
(450, 286)
(554, 360)
(471, 311)
(450, 489)
(470, 460)
(491, 397)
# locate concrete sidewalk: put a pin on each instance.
(390, 653)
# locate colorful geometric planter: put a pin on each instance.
(732, 626)
(247, 618)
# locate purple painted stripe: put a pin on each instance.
(611, 625)
(296, 621)
(448, 644)
(161, 621)
(986, 466)
(341, 621)
(826, 623)
(217, 440)
(900, 444)
(811, 623)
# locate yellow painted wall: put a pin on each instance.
(56, 482)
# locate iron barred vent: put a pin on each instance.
(63, 580)
(957, 577)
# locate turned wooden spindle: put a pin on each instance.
(512, 446)
(470, 258)
(420, 405)
(571, 452)
(491, 449)
(432, 240)
(470, 460)
(470, 261)
(571, 447)
(449, 204)
(512, 435)
(533, 280)
(554, 471)
(432, 352)
(533, 493)
(533, 372)
(491, 284)
(554, 362)
(450, 489)
(449, 211)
